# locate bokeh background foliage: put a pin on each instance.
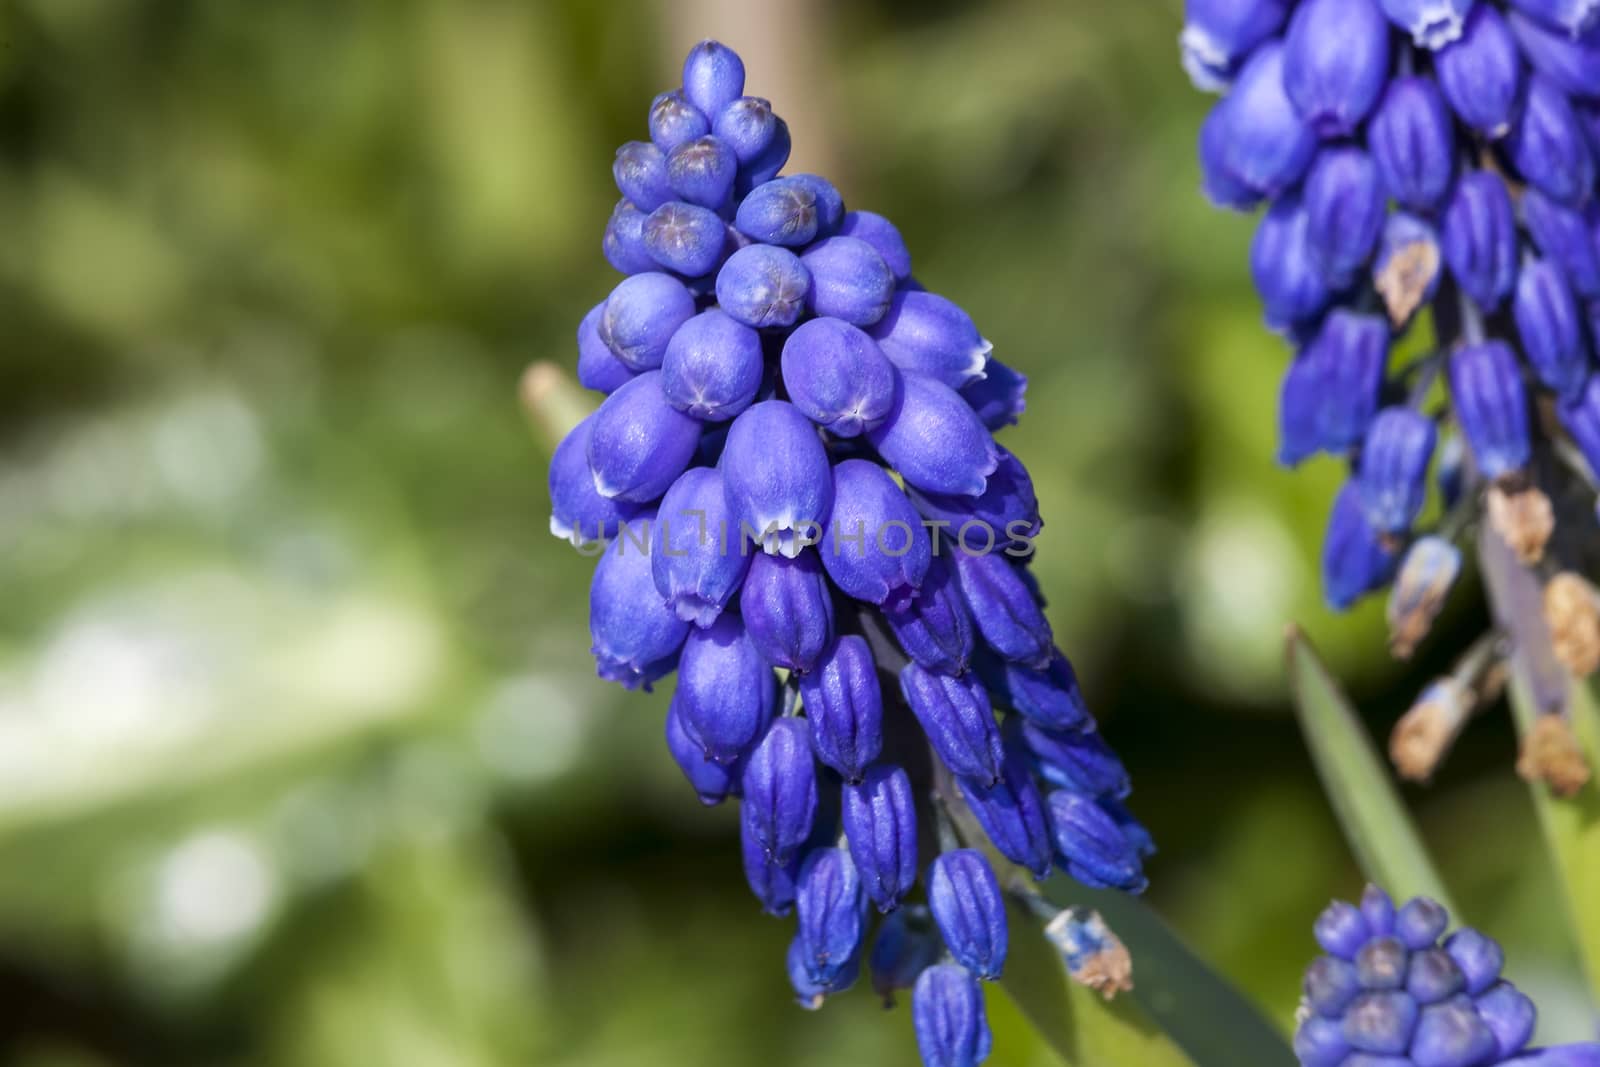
(301, 757)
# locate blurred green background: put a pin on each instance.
(302, 760)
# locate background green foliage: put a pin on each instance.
(301, 757)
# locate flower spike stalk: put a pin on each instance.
(800, 510)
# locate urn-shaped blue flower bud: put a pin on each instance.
(788, 609)
(1377, 907)
(1482, 74)
(1265, 145)
(1565, 236)
(1393, 474)
(685, 238)
(639, 443)
(1412, 142)
(642, 313)
(1336, 59)
(1284, 269)
(1076, 760)
(674, 120)
(713, 366)
(1222, 187)
(1381, 1023)
(1345, 364)
(877, 549)
(726, 691)
(1330, 985)
(1581, 416)
(1432, 976)
(948, 1016)
(1431, 23)
(1420, 922)
(1049, 698)
(1004, 518)
(807, 994)
(1345, 208)
(880, 824)
(1090, 845)
(780, 486)
(1492, 406)
(849, 280)
(1427, 574)
(935, 629)
(623, 244)
(1510, 1015)
(1219, 34)
(830, 205)
(1479, 957)
(935, 440)
(1407, 269)
(696, 563)
(832, 917)
(713, 76)
(1550, 327)
(1004, 608)
(773, 883)
(1319, 1042)
(640, 170)
(925, 332)
(701, 172)
(1570, 16)
(578, 513)
(837, 375)
(907, 944)
(1479, 236)
(748, 126)
(635, 635)
(1548, 145)
(763, 286)
(845, 707)
(712, 782)
(1341, 930)
(1572, 63)
(1012, 813)
(780, 212)
(780, 790)
(999, 397)
(598, 367)
(1355, 559)
(965, 899)
(766, 165)
(956, 715)
(883, 236)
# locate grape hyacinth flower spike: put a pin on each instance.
(1431, 165)
(794, 490)
(1393, 989)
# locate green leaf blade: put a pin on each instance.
(1356, 780)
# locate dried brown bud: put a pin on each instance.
(1524, 520)
(1571, 612)
(1551, 754)
(1406, 279)
(1426, 576)
(1095, 957)
(1423, 736)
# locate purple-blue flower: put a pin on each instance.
(844, 705)
(880, 824)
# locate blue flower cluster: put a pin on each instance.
(1417, 154)
(1430, 159)
(798, 506)
(1391, 993)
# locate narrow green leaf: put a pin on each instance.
(1571, 825)
(1357, 782)
(1180, 1011)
